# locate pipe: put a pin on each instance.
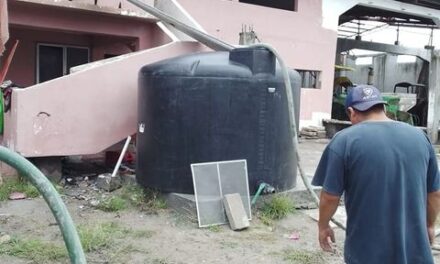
(262, 188)
(56, 205)
(209, 41)
(121, 156)
(258, 193)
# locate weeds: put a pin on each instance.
(19, 185)
(277, 208)
(93, 238)
(112, 204)
(142, 233)
(152, 201)
(135, 196)
(214, 228)
(34, 249)
(100, 236)
(303, 257)
(160, 261)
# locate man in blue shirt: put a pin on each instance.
(388, 173)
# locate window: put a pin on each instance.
(280, 4)
(54, 61)
(310, 79)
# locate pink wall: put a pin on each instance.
(84, 112)
(102, 33)
(23, 67)
(125, 5)
(298, 36)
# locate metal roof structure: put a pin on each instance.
(389, 17)
(435, 4)
(362, 19)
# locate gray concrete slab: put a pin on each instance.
(310, 152)
(235, 212)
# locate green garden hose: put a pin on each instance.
(26, 169)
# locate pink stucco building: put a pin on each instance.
(57, 35)
(94, 106)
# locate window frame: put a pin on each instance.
(316, 75)
(64, 48)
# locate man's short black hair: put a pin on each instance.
(374, 108)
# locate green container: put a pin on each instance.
(393, 103)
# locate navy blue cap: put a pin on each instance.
(363, 97)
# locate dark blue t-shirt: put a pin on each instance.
(385, 170)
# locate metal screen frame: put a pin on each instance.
(218, 163)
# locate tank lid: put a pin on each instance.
(257, 59)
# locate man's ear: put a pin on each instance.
(350, 111)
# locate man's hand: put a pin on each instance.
(327, 208)
(431, 234)
(326, 236)
(433, 209)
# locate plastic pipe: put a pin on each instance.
(198, 35)
(258, 193)
(56, 205)
(124, 149)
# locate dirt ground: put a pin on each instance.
(172, 238)
(165, 236)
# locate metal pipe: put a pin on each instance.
(56, 205)
(198, 35)
(124, 149)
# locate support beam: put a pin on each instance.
(332, 9)
(434, 97)
(349, 44)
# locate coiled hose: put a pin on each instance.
(26, 169)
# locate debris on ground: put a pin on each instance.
(108, 182)
(294, 236)
(313, 132)
(17, 196)
(5, 239)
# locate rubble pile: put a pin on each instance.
(313, 132)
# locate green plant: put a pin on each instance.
(215, 228)
(112, 204)
(134, 194)
(153, 201)
(160, 261)
(141, 233)
(100, 236)
(145, 199)
(34, 249)
(303, 257)
(276, 208)
(17, 185)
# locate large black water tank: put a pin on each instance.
(215, 106)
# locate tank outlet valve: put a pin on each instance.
(141, 128)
